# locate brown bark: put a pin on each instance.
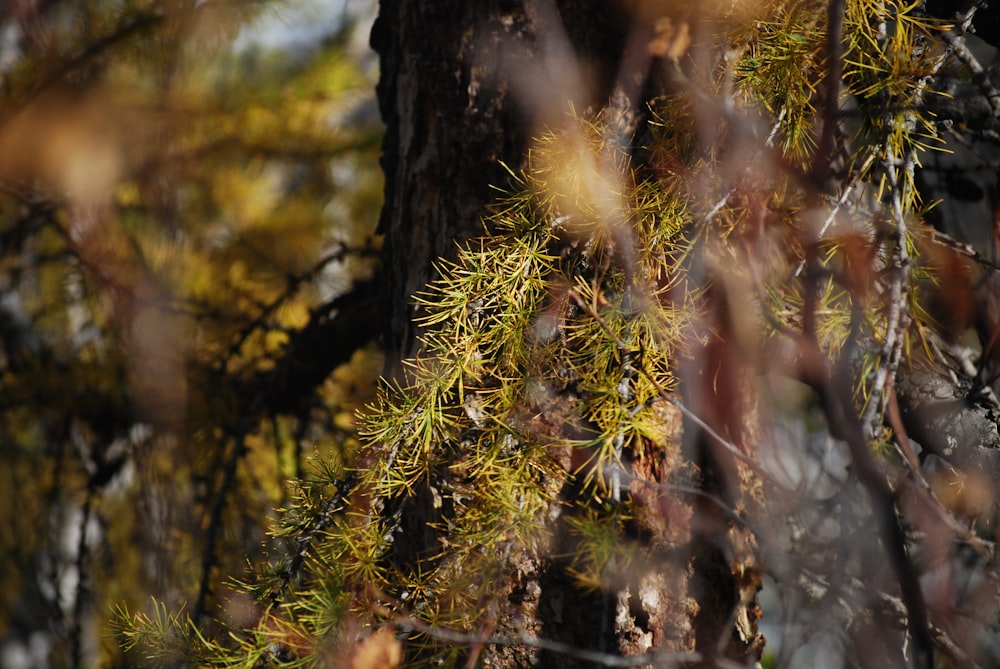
(448, 94)
(449, 123)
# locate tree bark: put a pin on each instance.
(448, 95)
(449, 124)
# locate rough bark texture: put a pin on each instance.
(449, 123)
(459, 94)
(448, 96)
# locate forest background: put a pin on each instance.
(189, 190)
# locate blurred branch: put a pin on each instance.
(836, 400)
(334, 332)
(292, 285)
(229, 470)
(94, 50)
(980, 76)
(358, 141)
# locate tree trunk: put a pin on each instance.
(448, 95)
(463, 87)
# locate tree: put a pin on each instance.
(695, 336)
(743, 207)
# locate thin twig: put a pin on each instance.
(839, 204)
(942, 640)
(980, 76)
(897, 317)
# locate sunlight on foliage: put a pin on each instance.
(182, 241)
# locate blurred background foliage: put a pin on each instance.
(184, 210)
